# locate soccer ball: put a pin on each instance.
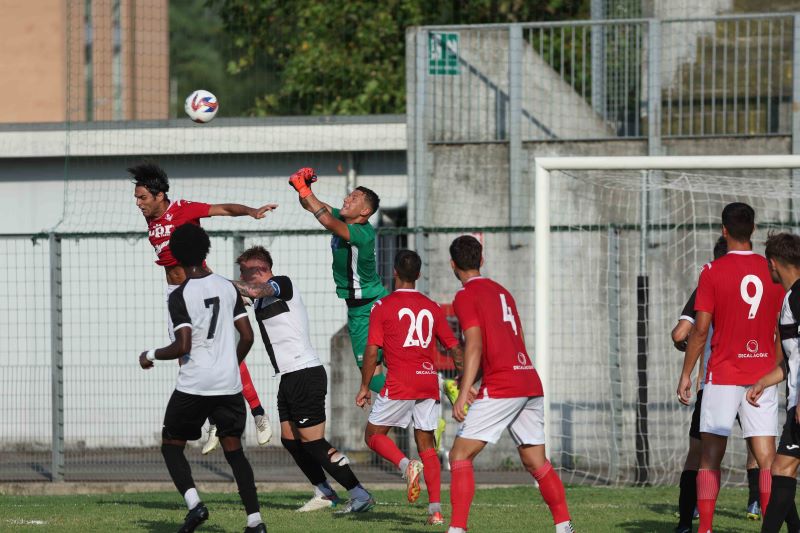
(201, 106)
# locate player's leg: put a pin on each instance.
(753, 505)
(263, 427)
(687, 496)
(183, 420)
(462, 481)
(717, 414)
(324, 495)
(784, 487)
(527, 430)
(426, 420)
(760, 427)
(230, 415)
(358, 328)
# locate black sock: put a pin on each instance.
(178, 467)
(335, 463)
(243, 473)
(792, 519)
(310, 467)
(752, 486)
(257, 411)
(211, 421)
(687, 498)
(780, 501)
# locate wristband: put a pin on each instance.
(319, 212)
(151, 355)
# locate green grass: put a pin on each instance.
(594, 510)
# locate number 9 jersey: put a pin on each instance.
(744, 302)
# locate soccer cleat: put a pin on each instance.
(263, 429)
(435, 519)
(565, 527)
(212, 442)
(696, 514)
(439, 433)
(194, 518)
(357, 506)
(754, 511)
(320, 501)
(683, 529)
(411, 475)
(260, 528)
(450, 390)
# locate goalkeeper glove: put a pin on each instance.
(301, 181)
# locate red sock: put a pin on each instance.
(432, 472)
(462, 490)
(248, 390)
(707, 491)
(383, 446)
(553, 492)
(764, 488)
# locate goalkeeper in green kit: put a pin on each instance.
(354, 269)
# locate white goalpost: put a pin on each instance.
(619, 242)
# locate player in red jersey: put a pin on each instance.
(510, 395)
(406, 324)
(737, 294)
(163, 216)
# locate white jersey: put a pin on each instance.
(689, 314)
(790, 340)
(283, 322)
(209, 305)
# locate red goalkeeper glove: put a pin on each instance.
(301, 181)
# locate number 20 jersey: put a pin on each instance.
(508, 370)
(739, 293)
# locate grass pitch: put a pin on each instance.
(518, 509)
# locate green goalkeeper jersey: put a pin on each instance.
(354, 270)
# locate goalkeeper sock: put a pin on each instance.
(462, 490)
(687, 498)
(707, 492)
(552, 492)
(248, 389)
(780, 504)
(376, 383)
(386, 448)
(764, 488)
(432, 472)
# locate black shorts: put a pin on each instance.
(694, 428)
(186, 414)
(301, 396)
(790, 437)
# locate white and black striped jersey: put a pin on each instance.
(790, 340)
(283, 322)
(690, 315)
(209, 305)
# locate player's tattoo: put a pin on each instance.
(254, 290)
(457, 353)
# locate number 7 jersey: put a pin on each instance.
(508, 370)
(744, 303)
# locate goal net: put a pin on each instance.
(619, 246)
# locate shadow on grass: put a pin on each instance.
(164, 526)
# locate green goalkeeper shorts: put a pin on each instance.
(358, 327)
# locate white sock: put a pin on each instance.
(434, 508)
(455, 530)
(564, 527)
(254, 519)
(192, 498)
(404, 464)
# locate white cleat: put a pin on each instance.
(565, 527)
(213, 441)
(318, 502)
(263, 429)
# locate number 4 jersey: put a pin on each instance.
(406, 325)
(507, 369)
(739, 293)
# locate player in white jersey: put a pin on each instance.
(283, 321)
(207, 311)
(783, 255)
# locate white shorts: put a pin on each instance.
(488, 417)
(399, 413)
(721, 404)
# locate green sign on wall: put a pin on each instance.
(443, 54)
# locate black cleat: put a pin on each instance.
(260, 528)
(194, 518)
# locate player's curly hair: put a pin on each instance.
(784, 247)
(720, 247)
(372, 198)
(256, 252)
(190, 245)
(740, 221)
(407, 264)
(466, 251)
(150, 176)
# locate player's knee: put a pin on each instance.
(170, 451)
(325, 454)
(291, 445)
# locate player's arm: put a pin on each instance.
(367, 371)
(179, 347)
(472, 363)
(775, 376)
(246, 337)
(239, 210)
(694, 350)
(680, 334)
(301, 181)
(277, 286)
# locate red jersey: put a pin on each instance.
(178, 213)
(744, 303)
(507, 368)
(404, 324)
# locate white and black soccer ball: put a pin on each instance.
(201, 106)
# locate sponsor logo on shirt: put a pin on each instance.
(161, 231)
(524, 363)
(752, 351)
(427, 368)
(160, 247)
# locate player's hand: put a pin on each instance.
(364, 397)
(144, 362)
(754, 393)
(472, 394)
(685, 389)
(302, 180)
(460, 408)
(261, 212)
(681, 345)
